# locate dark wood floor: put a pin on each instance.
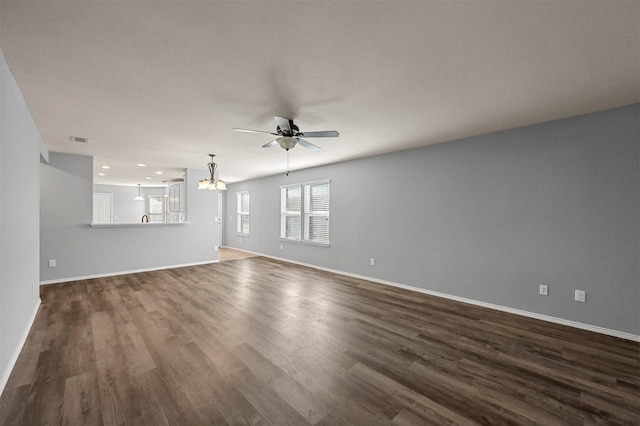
(256, 341)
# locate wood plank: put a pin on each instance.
(163, 401)
(258, 341)
(114, 381)
(222, 395)
(270, 406)
(81, 400)
(223, 360)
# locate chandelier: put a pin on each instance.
(212, 184)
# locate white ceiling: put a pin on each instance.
(163, 82)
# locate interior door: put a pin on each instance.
(102, 207)
(219, 218)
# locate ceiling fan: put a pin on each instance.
(289, 135)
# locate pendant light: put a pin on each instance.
(212, 184)
(139, 197)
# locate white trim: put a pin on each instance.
(314, 243)
(548, 318)
(133, 271)
(316, 182)
(16, 353)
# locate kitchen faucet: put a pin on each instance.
(144, 216)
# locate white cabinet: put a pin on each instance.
(177, 202)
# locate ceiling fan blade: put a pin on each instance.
(284, 124)
(270, 144)
(254, 131)
(325, 134)
(308, 145)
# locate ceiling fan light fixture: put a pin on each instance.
(289, 135)
(287, 142)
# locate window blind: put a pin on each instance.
(290, 212)
(316, 212)
(242, 211)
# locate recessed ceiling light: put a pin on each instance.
(141, 165)
(149, 178)
(158, 172)
(100, 174)
(105, 167)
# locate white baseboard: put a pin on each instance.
(16, 353)
(562, 321)
(133, 271)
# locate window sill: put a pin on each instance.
(312, 243)
(288, 240)
(309, 243)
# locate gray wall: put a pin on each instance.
(80, 250)
(487, 218)
(20, 144)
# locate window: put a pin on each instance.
(304, 212)
(290, 212)
(156, 208)
(316, 212)
(242, 209)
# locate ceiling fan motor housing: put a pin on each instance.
(294, 130)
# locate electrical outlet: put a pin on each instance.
(373, 261)
(281, 247)
(580, 296)
(216, 248)
(52, 263)
(544, 289)
(240, 240)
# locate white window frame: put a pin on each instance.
(306, 188)
(284, 213)
(157, 217)
(240, 214)
(304, 214)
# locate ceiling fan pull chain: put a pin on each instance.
(288, 153)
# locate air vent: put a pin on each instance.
(79, 140)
